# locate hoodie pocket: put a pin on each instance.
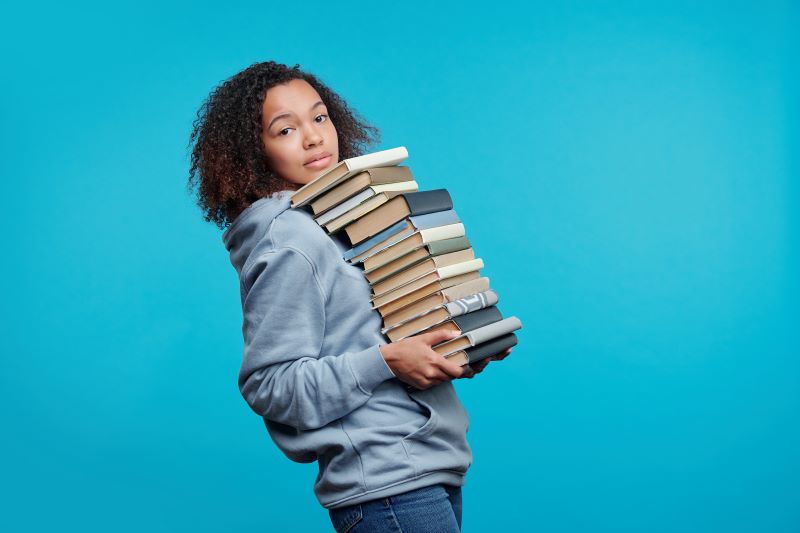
(428, 427)
(440, 444)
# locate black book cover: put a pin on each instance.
(492, 347)
(478, 319)
(424, 202)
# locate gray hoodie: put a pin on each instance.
(312, 368)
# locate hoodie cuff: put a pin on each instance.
(370, 368)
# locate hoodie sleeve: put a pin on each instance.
(284, 376)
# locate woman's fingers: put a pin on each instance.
(435, 337)
(451, 369)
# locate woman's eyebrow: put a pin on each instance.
(284, 115)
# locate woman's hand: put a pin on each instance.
(413, 360)
(477, 368)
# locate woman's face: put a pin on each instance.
(299, 138)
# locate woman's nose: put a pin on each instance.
(313, 137)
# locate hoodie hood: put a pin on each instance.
(248, 229)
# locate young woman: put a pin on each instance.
(316, 366)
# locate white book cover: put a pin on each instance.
(450, 271)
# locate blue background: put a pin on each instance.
(629, 175)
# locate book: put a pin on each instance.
(399, 207)
(438, 274)
(399, 231)
(352, 186)
(431, 249)
(440, 306)
(391, 305)
(396, 328)
(482, 351)
(345, 169)
(470, 321)
(382, 237)
(368, 193)
(438, 240)
(362, 209)
(426, 266)
(478, 336)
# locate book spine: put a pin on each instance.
(472, 303)
(344, 207)
(493, 347)
(422, 203)
(366, 245)
(466, 289)
(477, 319)
(396, 186)
(498, 329)
(384, 158)
(459, 268)
(445, 246)
(437, 218)
(442, 232)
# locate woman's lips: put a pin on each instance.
(319, 163)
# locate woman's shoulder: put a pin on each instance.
(296, 229)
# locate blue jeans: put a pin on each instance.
(434, 509)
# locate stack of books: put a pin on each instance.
(414, 252)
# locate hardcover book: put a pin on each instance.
(399, 207)
(449, 238)
(431, 249)
(370, 192)
(470, 321)
(482, 351)
(345, 169)
(439, 274)
(399, 231)
(359, 182)
(478, 336)
(391, 305)
(410, 321)
(426, 266)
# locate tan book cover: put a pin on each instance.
(418, 324)
(418, 270)
(408, 230)
(411, 282)
(358, 183)
(460, 358)
(397, 265)
(391, 302)
(360, 210)
(351, 203)
(345, 169)
(412, 242)
(418, 309)
(389, 213)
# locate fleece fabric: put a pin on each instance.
(313, 370)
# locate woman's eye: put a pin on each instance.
(323, 117)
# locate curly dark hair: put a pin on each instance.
(229, 169)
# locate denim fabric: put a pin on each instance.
(433, 509)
